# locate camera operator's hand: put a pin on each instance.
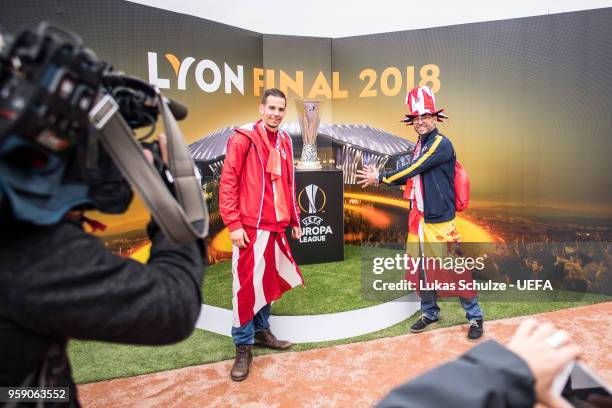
(162, 140)
(546, 351)
(239, 238)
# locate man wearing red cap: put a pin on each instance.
(257, 204)
(430, 182)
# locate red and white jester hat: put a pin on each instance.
(421, 101)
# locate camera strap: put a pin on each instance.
(183, 218)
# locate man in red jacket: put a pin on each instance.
(257, 203)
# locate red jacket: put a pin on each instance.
(244, 182)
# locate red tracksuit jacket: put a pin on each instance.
(245, 192)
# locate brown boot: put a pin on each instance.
(244, 357)
(265, 338)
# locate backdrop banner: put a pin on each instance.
(528, 100)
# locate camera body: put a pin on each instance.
(51, 156)
(48, 84)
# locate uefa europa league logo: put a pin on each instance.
(314, 200)
(308, 115)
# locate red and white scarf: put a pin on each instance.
(273, 166)
(262, 272)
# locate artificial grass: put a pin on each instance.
(97, 361)
(330, 288)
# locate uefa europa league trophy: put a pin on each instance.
(308, 115)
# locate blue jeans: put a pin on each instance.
(431, 310)
(245, 334)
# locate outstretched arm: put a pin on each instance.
(440, 151)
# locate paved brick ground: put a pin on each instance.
(355, 375)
